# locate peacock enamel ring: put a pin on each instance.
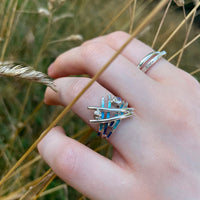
(110, 116)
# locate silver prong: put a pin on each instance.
(119, 117)
(123, 110)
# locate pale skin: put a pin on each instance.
(156, 152)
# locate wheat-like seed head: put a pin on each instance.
(20, 71)
(74, 37)
(43, 12)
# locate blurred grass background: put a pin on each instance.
(35, 32)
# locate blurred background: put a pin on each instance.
(34, 33)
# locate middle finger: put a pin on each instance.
(118, 78)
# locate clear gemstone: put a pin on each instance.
(97, 114)
(117, 101)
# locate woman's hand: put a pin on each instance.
(156, 152)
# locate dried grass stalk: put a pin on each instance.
(179, 2)
(11, 69)
(33, 190)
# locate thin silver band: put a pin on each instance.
(147, 62)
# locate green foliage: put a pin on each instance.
(36, 36)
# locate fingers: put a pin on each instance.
(162, 71)
(68, 89)
(90, 173)
(80, 60)
(117, 78)
(129, 130)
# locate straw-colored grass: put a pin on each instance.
(35, 32)
(25, 72)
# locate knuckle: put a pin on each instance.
(115, 36)
(75, 87)
(189, 80)
(67, 161)
(91, 51)
(178, 114)
(79, 85)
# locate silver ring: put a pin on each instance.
(109, 117)
(147, 62)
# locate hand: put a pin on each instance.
(156, 152)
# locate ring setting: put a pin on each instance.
(109, 117)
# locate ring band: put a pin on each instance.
(147, 62)
(110, 117)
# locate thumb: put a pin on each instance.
(87, 171)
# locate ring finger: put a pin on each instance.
(129, 130)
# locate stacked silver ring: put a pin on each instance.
(110, 116)
(147, 62)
